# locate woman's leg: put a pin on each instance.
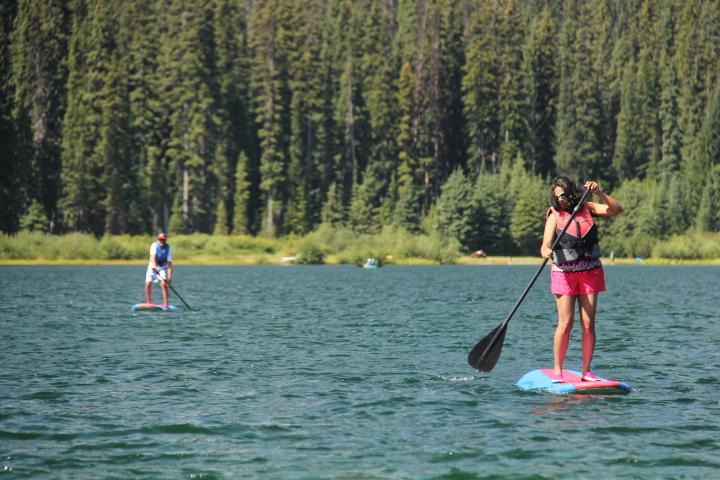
(566, 318)
(588, 307)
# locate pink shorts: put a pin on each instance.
(578, 283)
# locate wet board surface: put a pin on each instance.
(542, 380)
(152, 306)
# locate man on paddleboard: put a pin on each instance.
(576, 275)
(159, 268)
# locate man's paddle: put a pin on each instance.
(171, 288)
(487, 352)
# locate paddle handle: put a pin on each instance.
(532, 282)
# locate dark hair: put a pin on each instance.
(573, 192)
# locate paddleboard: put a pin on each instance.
(152, 306)
(542, 380)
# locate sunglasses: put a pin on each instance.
(562, 196)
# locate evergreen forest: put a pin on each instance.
(270, 118)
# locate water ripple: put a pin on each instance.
(340, 373)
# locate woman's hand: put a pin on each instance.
(593, 187)
(545, 252)
(611, 207)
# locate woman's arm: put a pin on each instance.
(548, 236)
(608, 209)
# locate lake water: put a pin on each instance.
(347, 373)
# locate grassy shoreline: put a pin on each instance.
(275, 260)
(328, 246)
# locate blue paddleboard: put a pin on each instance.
(152, 306)
(572, 383)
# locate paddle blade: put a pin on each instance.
(487, 362)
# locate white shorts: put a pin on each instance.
(151, 276)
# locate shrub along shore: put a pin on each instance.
(329, 246)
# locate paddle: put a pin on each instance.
(487, 352)
(171, 288)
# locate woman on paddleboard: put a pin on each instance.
(577, 274)
(160, 267)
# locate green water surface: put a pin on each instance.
(349, 373)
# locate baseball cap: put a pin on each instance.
(162, 235)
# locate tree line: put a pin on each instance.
(271, 117)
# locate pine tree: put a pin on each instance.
(512, 98)
(241, 217)
(480, 89)
(405, 212)
(347, 113)
(35, 220)
(674, 220)
(100, 181)
(221, 219)
(119, 178)
(452, 124)
(138, 44)
(14, 169)
(706, 151)
(343, 122)
(634, 149)
(333, 210)
(631, 235)
(38, 49)
(230, 84)
(456, 211)
(268, 43)
(89, 55)
(426, 132)
(187, 94)
(668, 111)
(710, 43)
(406, 38)
(305, 106)
(527, 221)
(690, 100)
(578, 150)
(438, 122)
(639, 129)
(363, 211)
(326, 133)
(407, 159)
(708, 216)
(609, 63)
(357, 112)
(378, 70)
(541, 85)
(493, 222)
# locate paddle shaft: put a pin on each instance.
(171, 288)
(503, 326)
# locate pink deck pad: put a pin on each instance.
(569, 377)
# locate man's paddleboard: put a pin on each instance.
(572, 383)
(152, 306)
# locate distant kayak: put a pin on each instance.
(370, 266)
(152, 306)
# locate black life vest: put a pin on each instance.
(580, 239)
